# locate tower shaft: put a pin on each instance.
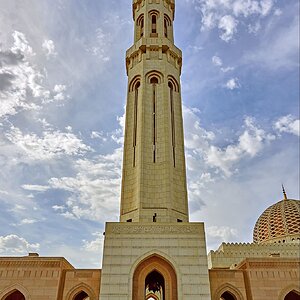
(154, 175)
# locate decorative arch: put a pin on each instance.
(168, 20)
(167, 25)
(13, 288)
(135, 83)
(227, 287)
(290, 288)
(154, 12)
(153, 17)
(154, 263)
(140, 25)
(172, 82)
(154, 74)
(81, 287)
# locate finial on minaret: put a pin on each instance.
(284, 193)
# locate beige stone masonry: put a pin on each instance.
(229, 255)
(181, 245)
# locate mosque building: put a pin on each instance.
(155, 252)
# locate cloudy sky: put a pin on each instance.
(62, 96)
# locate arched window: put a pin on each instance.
(155, 286)
(292, 295)
(227, 296)
(82, 296)
(16, 295)
(154, 24)
(165, 28)
(153, 19)
(171, 88)
(154, 82)
(135, 119)
(140, 23)
(167, 25)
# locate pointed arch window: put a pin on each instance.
(82, 296)
(227, 296)
(140, 26)
(16, 295)
(154, 82)
(154, 24)
(171, 89)
(167, 25)
(154, 286)
(292, 295)
(135, 120)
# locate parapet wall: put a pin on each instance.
(229, 255)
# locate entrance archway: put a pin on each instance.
(155, 286)
(292, 295)
(82, 296)
(154, 278)
(16, 295)
(227, 296)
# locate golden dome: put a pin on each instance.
(279, 223)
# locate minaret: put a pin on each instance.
(154, 252)
(154, 176)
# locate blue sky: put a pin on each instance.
(62, 97)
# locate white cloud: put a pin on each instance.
(201, 153)
(22, 85)
(196, 137)
(59, 88)
(222, 233)
(232, 84)
(49, 48)
(52, 143)
(217, 61)
(96, 245)
(35, 188)
(228, 25)
(250, 143)
(15, 245)
(288, 124)
(98, 135)
(101, 45)
(254, 28)
(279, 48)
(21, 45)
(94, 190)
(27, 221)
(60, 208)
(59, 91)
(225, 14)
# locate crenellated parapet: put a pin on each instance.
(229, 255)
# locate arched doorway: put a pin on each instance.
(155, 286)
(154, 279)
(82, 296)
(16, 295)
(292, 295)
(227, 296)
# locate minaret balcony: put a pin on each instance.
(134, 54)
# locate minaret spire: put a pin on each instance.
(154, 173)
(284, 192)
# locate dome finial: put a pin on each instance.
(284, 193)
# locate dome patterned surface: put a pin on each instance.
(279, 220)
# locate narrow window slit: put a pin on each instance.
(154, 83)
(136, 95)
(166, 27)
(154, 24)
(172, 122)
